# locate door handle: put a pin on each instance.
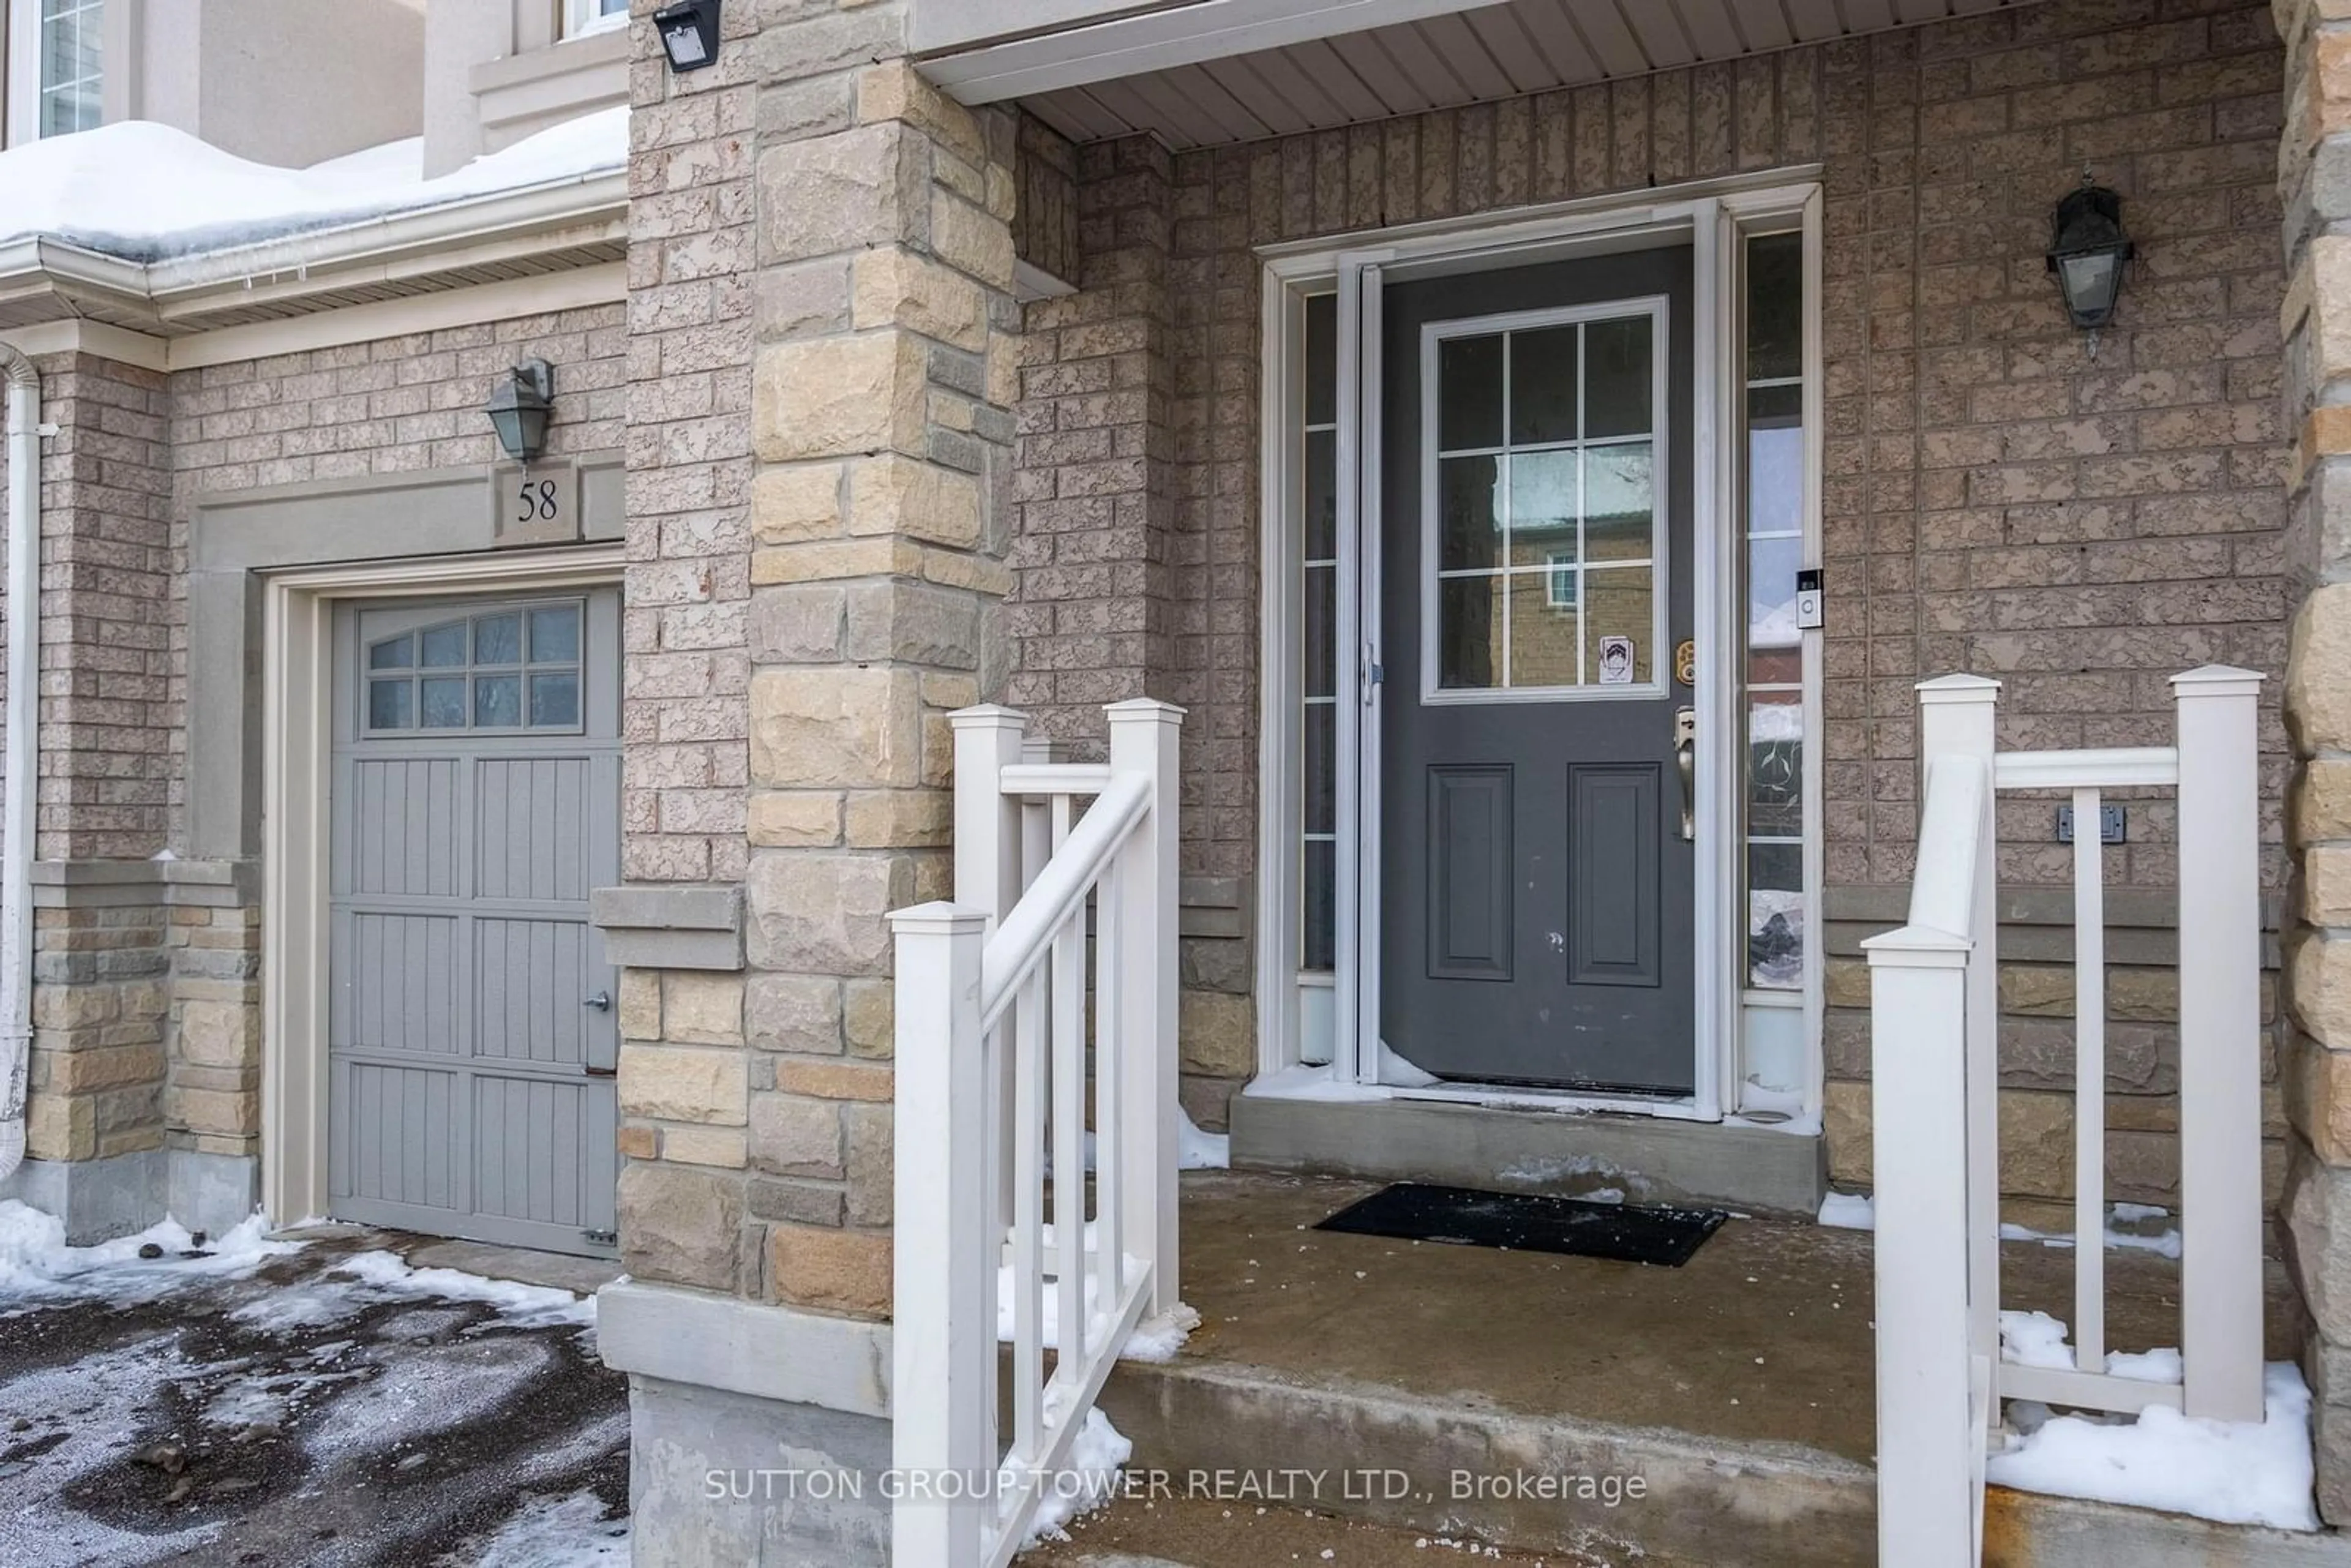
(602, 1002)
(1686, 763)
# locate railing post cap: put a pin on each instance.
(987, 715)
(1136, 710)
(937, 918)
(1958, 688)
(2217, 681)
(1917, 946)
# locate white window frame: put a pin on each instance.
(24, 85)
(1715, 217)
(586, 18)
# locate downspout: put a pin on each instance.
(23, 758)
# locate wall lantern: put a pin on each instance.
(2087, 248)
(520, 406)
(689, 33)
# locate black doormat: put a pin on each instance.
(1531, 1222)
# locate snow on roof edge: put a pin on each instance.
(144, 192)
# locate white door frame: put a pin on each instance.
(298, 693)
(1709, 215)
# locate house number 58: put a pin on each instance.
(538, 501)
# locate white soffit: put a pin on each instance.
(1472, 55)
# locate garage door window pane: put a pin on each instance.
(389, 705)
(444, 645)
(497, 701)
(444, 702)
(393, 653)
(555, 636)
(555, 700)
(497, 640)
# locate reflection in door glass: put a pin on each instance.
(1772, 487)
(1319, 627)
(1544, 548)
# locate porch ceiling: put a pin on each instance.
(1458, 58)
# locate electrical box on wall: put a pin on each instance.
(2114, 825)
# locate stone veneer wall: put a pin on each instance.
(812, 209)
(1996, 501)
(2315, 182)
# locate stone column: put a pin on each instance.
(756, 1204)
(2315, 174)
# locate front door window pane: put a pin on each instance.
(1545, 550)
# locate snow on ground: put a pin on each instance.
(1088, 1481)
(37, 1266)
(1196, 1150)
(2232, 1473)
(341, 1396)
(1154, 1339)
(146, 192)
(1849, 1211)
(550, 1532)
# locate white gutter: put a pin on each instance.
(23, 760)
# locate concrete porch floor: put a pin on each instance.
(1740, 1386)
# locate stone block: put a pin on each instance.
(803, 501)
(61, 1128)
(895, 495)
(2319, 981)
(219, 1034)
(796, 1136)
(856, 188)
(1216, 1034)
(638, 1142)
(2318, 663)
(894, 89)
(870, 1171)
(700, 1007)
(831, 1271)
(794, 1012)
(1845, 1125)
(820, 914)
(724, 1147)
(88, 1072)
(832, 727)
(800, 1202)
(681, 1223)
(683, 1084)
(971, 238)
(640, 1016)
(2321, 800)
(893, 287)
(798, 623)
(794, 819)
(840, 397)
(230, 1112)
(831, 1078)
(899, 819)
(868, 1020)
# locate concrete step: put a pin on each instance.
(1175, 1534)
(1462, 1471)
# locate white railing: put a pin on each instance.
(1935, 1039)
(993, 1101)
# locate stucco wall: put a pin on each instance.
(1996, 499)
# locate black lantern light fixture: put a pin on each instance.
(520, 406)
(689, 33)
(2087, 248)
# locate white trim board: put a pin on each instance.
(298, 662)
(1712, 214)
(605, 282)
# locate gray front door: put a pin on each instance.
(471, 1030)
(1537, 879)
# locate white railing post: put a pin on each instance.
(988, 872)
(1142, 740)
(943, 1335)
(988, 740)
(2219, 1042)
(1957, 718)
(1929, 1445)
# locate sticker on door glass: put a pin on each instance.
(1615, 661)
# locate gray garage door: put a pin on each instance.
(471, 1030)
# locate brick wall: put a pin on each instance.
(1996, 499)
